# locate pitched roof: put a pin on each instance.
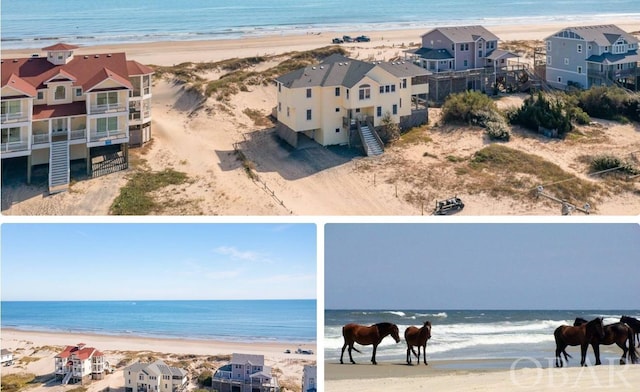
(501, 54)
(65, 110)
(85, 71)
(602, 35)
(156, 368)
(61, 46)
(610, 58)
(5, 352)
(431, 54)
(462, 34)
(81, 352)
(403, 69)
(19, 84)
(135, 68)
(254, 359)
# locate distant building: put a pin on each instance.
(62, 107)
(459, 48)
(341, 100)
(79, 364)
(245, 373)
(6, 357)
(154, 377)
(309, 378)
(587, 56)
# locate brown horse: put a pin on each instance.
(634, 323)
(617, 333)
(354, 333)
(415, 336)
(581, 335)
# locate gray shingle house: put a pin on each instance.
(245, 373)
(589, 56)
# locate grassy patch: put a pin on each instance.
(416, 135)
(78, 389)
(455, 159)
(28, 360)
(248, 166)
(16, 382)
(502, 170)
(135, 199)
(259, 119)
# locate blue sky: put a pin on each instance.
(158, 261)
(482, 266)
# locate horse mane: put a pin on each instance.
(384, 325)
(579, 321)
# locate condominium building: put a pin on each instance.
(245, 373)
(79, 364)
(61, 107)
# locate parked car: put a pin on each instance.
(363, 38)
(347, 38)
(337, 41)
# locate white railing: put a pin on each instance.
(108, 108)
(113, 134)
(14, 146)
(135, 116)
(14, 117)
(40, 138)
(78, 134)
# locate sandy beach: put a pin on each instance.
(435, 377)
(198, 135)
(41, 347)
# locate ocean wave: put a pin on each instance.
(499, 328)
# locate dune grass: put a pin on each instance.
(135, 198)
(16, 382)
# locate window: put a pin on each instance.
(364, 92)
(395, 109)
(110, 98)
(466, 63)
(60, 93)
(400, 102)
(579, 48)
(404, 83)
(548, 60)
(453, 47)
(379, 111)
(10, 107)
(287, 111)
(393, 88)
(337, 91)
(78, 91)
(279, 87)
(479, 53)
(337, 110)
(107, 124)
(566, 61)
(381, 89)
(548, 46)
(579, 69)
(559, 79)
(308, 93)
(337, 130)
(387, 89)
(308, 114)
(466, 47)
(11, 135)
(479, 45)
(279, 106)
(141, 377)
(461, 46)
(40, 95)
(347, 93)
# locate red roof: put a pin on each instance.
(135, 68)
(82, 354)
(85, 71)
(61, 46)
(41, 112)
(19, 84)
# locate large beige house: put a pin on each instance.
(154, 377)
(340, 101)
(79, 364)
(62, 107)
(245, 373)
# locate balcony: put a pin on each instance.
(78, 134)
(108, 108)
(16, 117)
(107, 135)
(21, 145)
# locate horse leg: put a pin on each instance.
(408, 354)
(623, 346)
(424, 354)
(342, 353)
(596, 352)
(559, 350)
(373, 357)
(350, 357)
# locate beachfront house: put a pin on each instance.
(62, 107)
(245, 373)
(309, 378)
(462, 58)
(342, 101)
(587, 56)
(154, 377)
(79, 364)
(6, 357)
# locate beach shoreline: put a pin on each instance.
(170, 52)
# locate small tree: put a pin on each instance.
(389, 131)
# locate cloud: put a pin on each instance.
(237, 254)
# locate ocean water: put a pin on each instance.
(38, 23)
(246, 321)
(501, 335)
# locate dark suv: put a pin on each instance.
(363, 38)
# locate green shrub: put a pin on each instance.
(204, 378)
(538, 112)
(606, 162)
(611, 103)
(475, 108)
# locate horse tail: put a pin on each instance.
(633, 354)
(356, 350)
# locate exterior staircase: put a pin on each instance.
(59, 166)
(372, 144)
(66, 378)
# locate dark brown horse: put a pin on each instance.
(354, 333)
(581, 335)
(415, 336)
(634, 323)
(617, 333)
